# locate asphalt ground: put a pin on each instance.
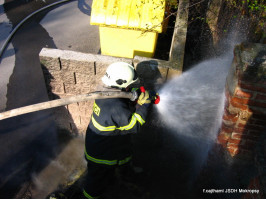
(29, 142)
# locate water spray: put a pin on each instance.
(190, 111)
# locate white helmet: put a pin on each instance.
(120, 74)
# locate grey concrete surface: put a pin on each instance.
(7, 64)
(73, 31)
(28, 143)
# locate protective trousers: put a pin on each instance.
(100, 176)
(97, 179)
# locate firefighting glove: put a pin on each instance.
(144, 98)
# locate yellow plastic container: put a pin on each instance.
(128, 27)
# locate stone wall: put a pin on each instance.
(69, 73)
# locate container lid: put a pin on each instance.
(129, 14)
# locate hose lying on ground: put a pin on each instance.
(23, 21)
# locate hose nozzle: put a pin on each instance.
(155, 98)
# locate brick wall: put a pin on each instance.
(69, 73)
(243, 131)
(244, 116)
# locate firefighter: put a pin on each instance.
(107, 142)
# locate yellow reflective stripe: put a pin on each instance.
(139, 118)
(135, 117)
(100, 161)
(100, 127)
(121, 162)
(107, 162)
(130, 125)
(89, 196)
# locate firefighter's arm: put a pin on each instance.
(129, 122)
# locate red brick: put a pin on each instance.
(230, 117)
(237, 136)
(223, 136)
(249, 144)
(240, 130)
(246, 152)
(250, 137)
(260, 97)
(244, 93)
(233, 151)
(226, 129)
(250, 126)
(233, 145)
(228, 123)
(252, 121)
(259, 115)
(239, 100)
(221, 141)
(238, 105)
(257, 104)
(254, 133)
(245, 136)
(256, 122)
(234, 141)
(240, 125)
(254, 127)
(259, 122)
(252, 87)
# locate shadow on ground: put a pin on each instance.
(171, 170)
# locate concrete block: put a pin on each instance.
(73, 108)
(85, 121)
(49, 58)
(57, 87)
(85, 79)
(100, 70)
(77, 66)
(103, 59)
(82, 61)
(50, 63)
(79, 89)
(86, 108)
(172, 73)
(76, 120)
(62, 76)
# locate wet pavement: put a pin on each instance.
(29, 142)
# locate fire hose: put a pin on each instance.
(74, 99)
(23, 21)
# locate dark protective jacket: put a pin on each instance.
(108, 134)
